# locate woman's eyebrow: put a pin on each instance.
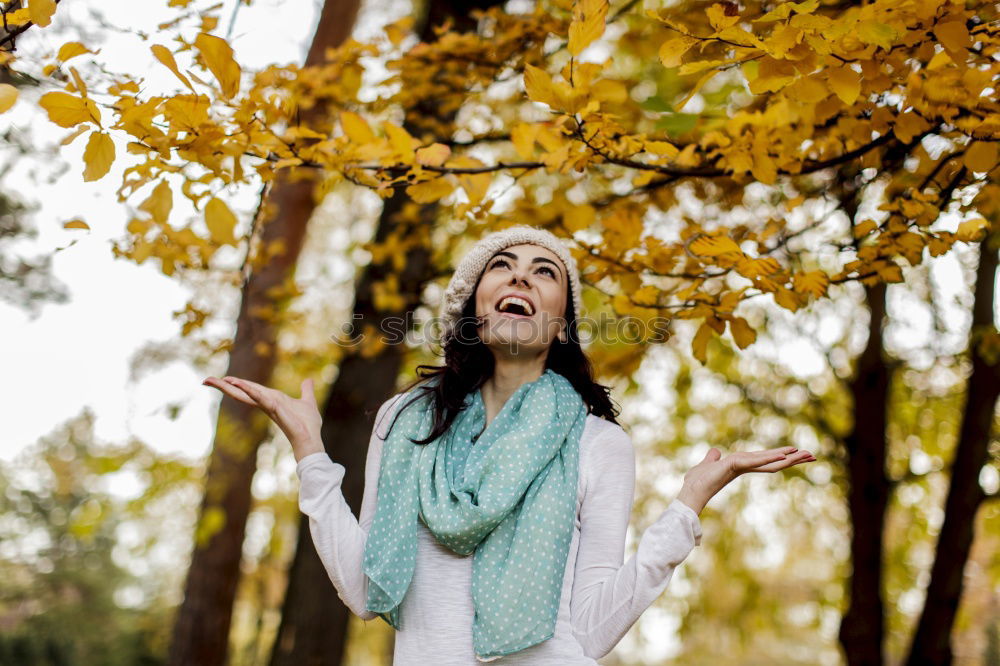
(536, 260)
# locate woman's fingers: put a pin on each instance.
(307, 391)
(261, 394)
(778, 465)
(231, 390)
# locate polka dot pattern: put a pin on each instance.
(507, 498)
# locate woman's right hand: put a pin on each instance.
(298, 418)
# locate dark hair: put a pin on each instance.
(467, 366)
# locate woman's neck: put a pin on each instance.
(508, 377)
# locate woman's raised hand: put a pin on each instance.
(298, 418)
(712, 474)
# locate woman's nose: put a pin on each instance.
(518, 277)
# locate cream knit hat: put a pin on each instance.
(466, 275)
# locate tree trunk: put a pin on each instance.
(862, 627)
(314, 620)
(931, 642)
(201, 628)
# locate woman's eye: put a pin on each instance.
(503, 262)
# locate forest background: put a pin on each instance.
(805, 192)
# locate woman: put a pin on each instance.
(509, 452)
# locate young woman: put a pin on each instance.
(510, 453)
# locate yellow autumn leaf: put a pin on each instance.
(865, 228)
(476, 185)
(714, 245)
(221, 221)
(8, 95)
(523, 136)
(873, 32)
(972, 230)
(356, 128)
(579, 217)
(431, 190)
(609, 90)
(587, 25)
(764, 169)
(699, 345)
(811, 282)
(664, 148)
(41, 11)
(845, 82)
(218, 58)
(76, 223)
(98, 156)
(752, 268)
(433, 155)
(71, 50)
(538, 85)
(672, 50)
(159, 203)
(981, 156)
(68, 110)
(953, 35)
(743, 334)
(696, 88)
(401, 142)
(163, 54)
(723, 15)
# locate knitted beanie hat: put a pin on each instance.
(466, 275)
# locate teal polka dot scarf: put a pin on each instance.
(509, 498)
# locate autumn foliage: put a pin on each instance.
(754, 109)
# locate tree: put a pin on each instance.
(201, 630)
(60, 600)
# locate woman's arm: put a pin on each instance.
(608, 596)
(338, 536)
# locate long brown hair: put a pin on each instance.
(468, 366)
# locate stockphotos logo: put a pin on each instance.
(605, 329)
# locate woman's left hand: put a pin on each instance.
(711, 475)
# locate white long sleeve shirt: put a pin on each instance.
(601, 597)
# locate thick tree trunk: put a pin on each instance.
(201, 629)
(932, 640)
(314, 620)
(862, 627)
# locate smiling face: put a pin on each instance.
(536, 279)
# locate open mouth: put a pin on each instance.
(516, 307)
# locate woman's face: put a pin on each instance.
(537, 277)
